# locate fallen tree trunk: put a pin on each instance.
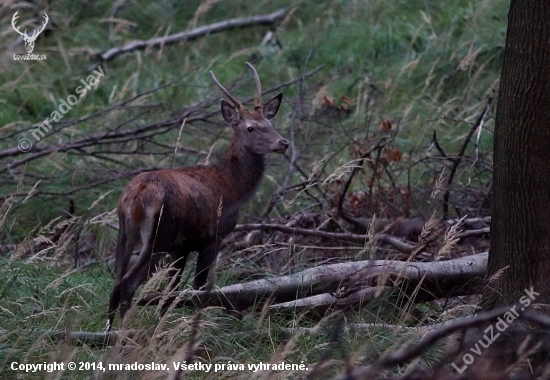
(193, 34)
(439, 279)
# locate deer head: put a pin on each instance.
(253, 129)
(29, 40)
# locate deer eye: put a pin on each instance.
(250, 129)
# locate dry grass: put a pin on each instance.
(399, 71)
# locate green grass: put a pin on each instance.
(426, 66)
(37, 297)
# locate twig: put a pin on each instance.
(437, 146)
(380, 144)
(413, 350)
(456, 161)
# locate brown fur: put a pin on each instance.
(178, 211)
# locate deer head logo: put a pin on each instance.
(29, 40)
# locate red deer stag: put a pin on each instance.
(192, 208)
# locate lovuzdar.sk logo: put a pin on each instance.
(29, 40)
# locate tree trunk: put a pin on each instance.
(520, 227)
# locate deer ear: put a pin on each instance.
(272, 106)
(229, 112)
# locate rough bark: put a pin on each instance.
(520, 231)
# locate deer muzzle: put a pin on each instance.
(282, 146)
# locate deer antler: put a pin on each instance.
(13, 19)
(37, 32)
(24, 34)
(258, 95)
(233, 100)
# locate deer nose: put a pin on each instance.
(284, 143)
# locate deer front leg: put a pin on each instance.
(174, 275)
(205, 261)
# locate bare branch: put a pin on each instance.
(344, 236)
(414, 350)
(456, 161)
(193, 34)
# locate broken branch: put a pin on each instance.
(193, 34)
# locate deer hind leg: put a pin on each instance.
(127, 240)
(144, 266)
(205, 261)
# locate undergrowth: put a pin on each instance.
(423, 67)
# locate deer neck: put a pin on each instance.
(244, 171)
